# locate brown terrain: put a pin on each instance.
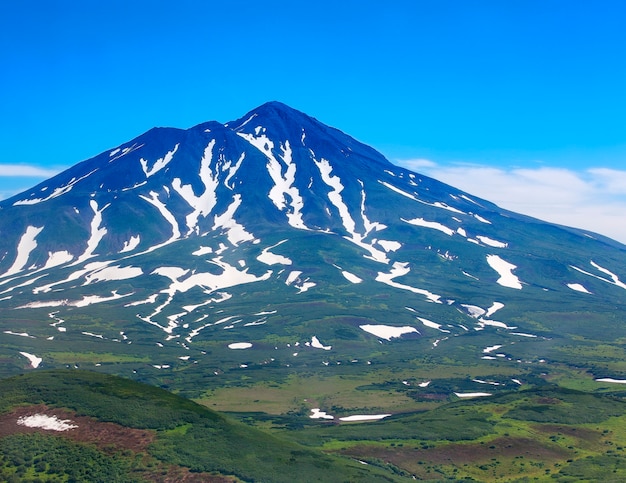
(107, 437)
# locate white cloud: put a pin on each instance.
(593, 199)
(15, 178)
(25, 170)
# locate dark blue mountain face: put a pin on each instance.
(180, 233)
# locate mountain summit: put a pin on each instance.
(275, 231)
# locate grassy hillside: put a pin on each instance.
(128, 431)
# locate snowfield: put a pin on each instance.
(610, 379)
(43, 421)
(578, 287)
(399, 269)
(240, 345)
(270, 258)
(388, 332)
(34, 360)
(364, 417)
(464, 395)
(505, 270)
(430, 224)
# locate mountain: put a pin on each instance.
(274, 247)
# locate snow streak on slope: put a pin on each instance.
(131, 244)
(614, 278)
(159, 164)
(114, 272)
(97, 232)
(58, 258)
(232, 170)
(203, 204)
(388, 332)
(505, 270)
(24, 248)
(399, 269)
(235, 232)
(578, 287)
(351, 277)
(430, 224)
(492, 243)
(335, 195)
(159, 205)
(57, 192)
(208, 282)
(283, 182)
(367, 224)
(436, 204)
(336, 199)
(73, 276)
(432, 325)
(270, 258)
(33, 359)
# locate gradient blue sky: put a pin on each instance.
(500, 98)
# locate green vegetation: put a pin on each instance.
(186, 435)
(541, 432)
(38, 458)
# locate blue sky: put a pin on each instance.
(520, 102)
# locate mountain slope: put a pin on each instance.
(274, 242)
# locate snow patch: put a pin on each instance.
(399, 269)
(240, 345)
(203, 204)
(504, 269)
(491, 242)
(464, 395)
(57, 191)
(481, 219)
(159, 164)
(432, 325)
(169, 217)
(389, 245)
(20, 334)
(578, 287)
(494, 308)
(131, 244)
(202, 251)
(429, 224)
(284, 188)
(235, 232)
(97, 232)
(43, 421)
(387, 332)
(292, 277)
(315, 342)
(610, 379)
(474, 310)
(317, 414)
(34, 360)
(491, 348)
(615, 278)
(114, 272)
(25, 246)
(364, 417)
(348, 222)
(271, 258)
(351, 277)
(58, 258)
